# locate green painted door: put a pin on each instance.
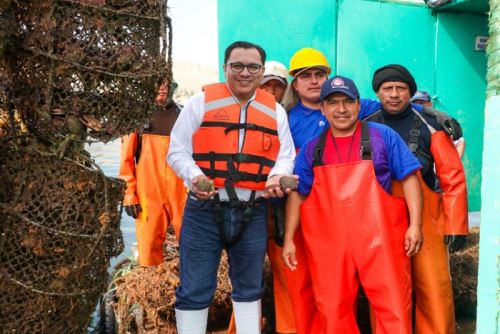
(461, 87)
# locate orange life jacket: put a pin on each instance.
(216, 143)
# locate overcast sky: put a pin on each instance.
(194, 25)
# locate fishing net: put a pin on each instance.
(464, 268)
(88, 64)
(59, 228)
(68, 69)
(146, 296)
(144, 299)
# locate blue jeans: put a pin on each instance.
(201, 248)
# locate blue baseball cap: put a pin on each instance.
(339, 84)
(421, 95)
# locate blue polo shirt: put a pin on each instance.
(390, 155)
(306, 123)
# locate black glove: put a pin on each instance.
(278, 214)
(450, 125)
(455, 242)
(133, 210)
(453, 128)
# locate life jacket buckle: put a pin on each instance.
(415, 132)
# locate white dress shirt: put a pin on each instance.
(180, 153)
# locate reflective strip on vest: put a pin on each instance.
(227, 101)
(264, 109)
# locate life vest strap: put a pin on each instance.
(237, 126)
(237, 157)
(243, 176)
(247, 217)
(233, 177)
(250, 126)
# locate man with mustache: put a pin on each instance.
(445, 212)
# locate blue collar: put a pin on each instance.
(305, 110)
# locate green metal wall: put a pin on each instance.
(461, 87)
(372, 34)
(281, 27)
(358, 36)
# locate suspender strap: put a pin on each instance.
(414, 134)
(320, 148)
(366, 146)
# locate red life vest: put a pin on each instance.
(216, 143)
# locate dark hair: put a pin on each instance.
(244, 45)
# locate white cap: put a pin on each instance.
(275, 71)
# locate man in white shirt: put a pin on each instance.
(237, 138)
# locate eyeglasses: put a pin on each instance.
(238, 67)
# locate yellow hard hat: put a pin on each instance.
(307, 58)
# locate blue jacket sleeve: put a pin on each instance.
(369, 106)
(304, 170)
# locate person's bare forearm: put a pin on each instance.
(292, 219)
(414, 199)
(292, 216)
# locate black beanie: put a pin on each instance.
(393, 72)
